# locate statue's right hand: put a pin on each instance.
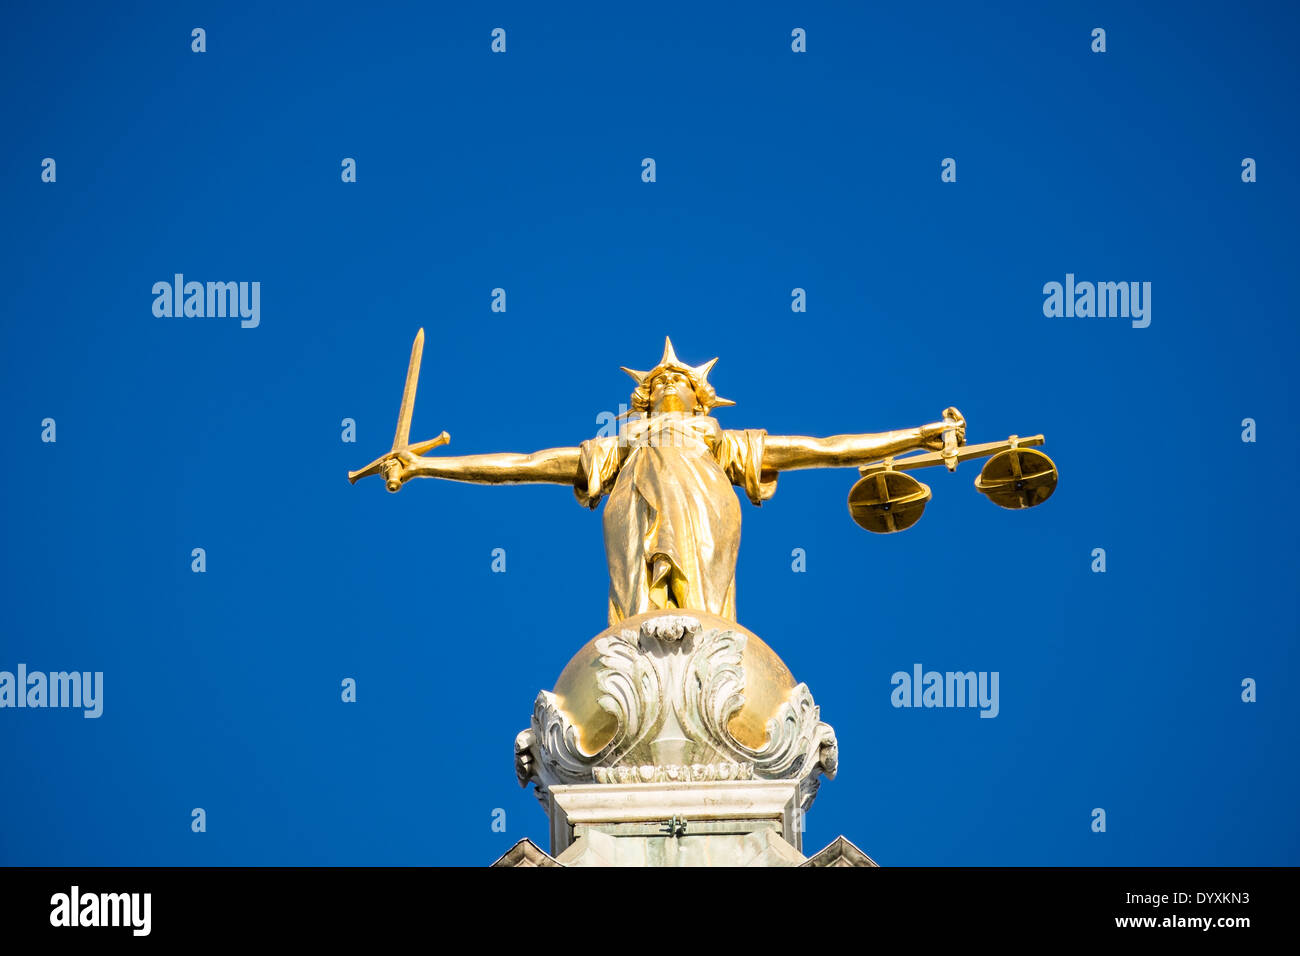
(398, 470)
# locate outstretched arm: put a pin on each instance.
(790, 452)
(553, 465)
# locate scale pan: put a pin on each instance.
(888, 501)
(1018, 478)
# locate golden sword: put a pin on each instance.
(388, 463)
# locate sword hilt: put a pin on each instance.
(387, 465)
(391, 469)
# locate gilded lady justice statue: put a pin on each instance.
(622, 713)
(672, 524)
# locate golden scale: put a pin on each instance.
(886, 499)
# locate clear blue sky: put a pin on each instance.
(775, 170)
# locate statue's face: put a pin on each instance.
(671, 392)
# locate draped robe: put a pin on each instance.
(672, 523)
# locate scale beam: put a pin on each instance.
(964, 453)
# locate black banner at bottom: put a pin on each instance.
(337, 905)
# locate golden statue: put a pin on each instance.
(672, 523)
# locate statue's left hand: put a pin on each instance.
(932, 434)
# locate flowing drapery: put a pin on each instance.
(672, 522)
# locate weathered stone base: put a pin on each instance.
(726, 823)
(730, 823)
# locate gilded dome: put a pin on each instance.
(767, 684)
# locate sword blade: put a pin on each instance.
(408, 393)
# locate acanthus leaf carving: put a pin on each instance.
(670, 677)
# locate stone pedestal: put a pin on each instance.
(677, 824)
(676, 738)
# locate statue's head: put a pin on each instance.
(674, 386)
